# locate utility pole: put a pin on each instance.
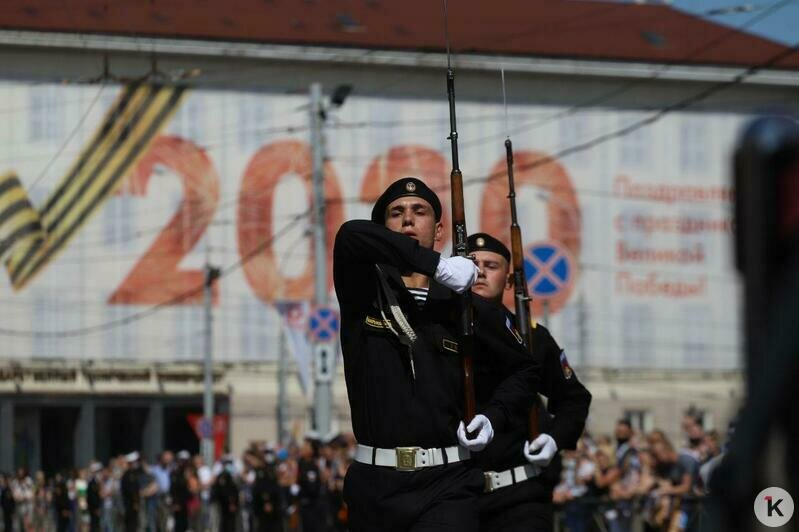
(207, 444)
(281, 387)
(323, 351)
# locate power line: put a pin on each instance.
(68, 139)
(83, 331)
(604, 97)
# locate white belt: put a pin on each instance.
(410, 458)
(502, 479)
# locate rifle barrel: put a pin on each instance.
(520, 292)
(460, 247)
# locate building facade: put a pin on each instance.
(625, 200)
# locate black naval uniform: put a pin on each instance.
(179, 495)
(313, 512)
(267, 501)
(131, 497)
(391, 408)
(527, 506)
(94, 503)
(9, 506)
(62, 506)
(225, 493)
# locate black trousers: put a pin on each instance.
(62, 524)
(181, 518)
(435, 499)
(522, 517)
(131, 521)
(268, 523)
(227, 522)
(314, 517)
(94, 521)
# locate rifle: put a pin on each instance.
(460, 246)
(521, 295)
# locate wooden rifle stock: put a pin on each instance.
(521, 295)
(460, 247)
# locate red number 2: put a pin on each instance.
(156, 278)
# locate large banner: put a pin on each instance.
(627, 241)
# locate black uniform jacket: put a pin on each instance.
(563, 418)
(389, 407)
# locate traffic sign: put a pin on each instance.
(323, 324)
(548, 269)
(324, 361)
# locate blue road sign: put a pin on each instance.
(323, 324)
(547, 268)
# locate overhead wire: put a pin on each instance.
(111, 324)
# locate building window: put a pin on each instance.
(118, 223)
(189, 332)
(637, 333)
(120, 341)
(640, 420)
(635, 147)
(702, 417)
(252, 113)
(694, 149)
(45, 114)
(254, 334)
(574, 130)
(187, 122)
(697, 334)
(43, 312)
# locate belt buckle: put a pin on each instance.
(489, 487)
(406, 458)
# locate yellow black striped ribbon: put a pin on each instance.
(19, 220)
(132, 122)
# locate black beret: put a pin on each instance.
(407, 186)
(486, 242)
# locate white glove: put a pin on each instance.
(483, 437)
(457, 273)
(546, 448)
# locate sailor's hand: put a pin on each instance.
(485, 433)
(541, 450)
(458, 273)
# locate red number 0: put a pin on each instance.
(563, 210)
(255, 228)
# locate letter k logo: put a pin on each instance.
(773, 506)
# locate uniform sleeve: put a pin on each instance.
(503, 351)
(360, 244)
(568, 398)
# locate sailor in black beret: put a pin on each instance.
(486, 242)
(520, 474)
(493, 259)
(407, 186)
(400, 345)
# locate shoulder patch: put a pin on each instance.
(568, 372)
(513, 330)
(533, 323)
(374, 322)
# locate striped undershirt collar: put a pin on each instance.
(420, 295)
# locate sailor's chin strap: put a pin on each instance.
(406, 335)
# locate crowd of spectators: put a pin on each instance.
(268, 488)
(642, 481)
